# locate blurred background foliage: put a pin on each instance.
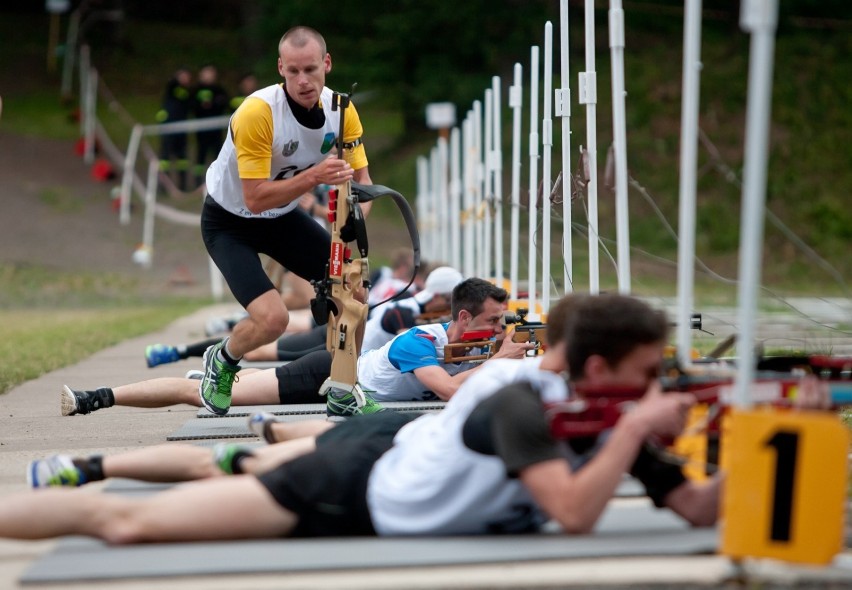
(406, 54)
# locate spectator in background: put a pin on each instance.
(246, 85)
(209, 99)
(175, 107)
(390, 280)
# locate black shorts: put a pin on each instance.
(295, 346)
(370, 426)
(299, 381)
(327, 489)
(294, 240)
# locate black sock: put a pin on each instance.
(92, 467)
(236, 460)
(102, 397)
(268, 435)
(198, 348)
(228, 358)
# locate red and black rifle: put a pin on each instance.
(590, 410)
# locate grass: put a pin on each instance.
(52, 318)
(37, 341)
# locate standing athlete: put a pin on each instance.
(280, 145)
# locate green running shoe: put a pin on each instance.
(227, 456)
(343, 404)
(219, 377)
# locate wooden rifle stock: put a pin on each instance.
(526, 331)
(346, 275)
(457, 352)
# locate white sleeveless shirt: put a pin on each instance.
(294, 149)
(430, 483)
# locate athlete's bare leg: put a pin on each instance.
(178, 514)
(285, 431)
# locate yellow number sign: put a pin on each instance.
(785, 486)
(692, 445)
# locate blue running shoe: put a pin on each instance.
(160, 354)
(56, 470)
(260, 423)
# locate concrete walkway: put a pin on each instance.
(33, 428)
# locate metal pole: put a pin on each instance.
(563, 110)
(589, 97)
(619, 123)
(759, 17)
(469, 212)
(688, 173)
(547, 152)
(533, 185)
(497, 168)
(150, 205)
(455, 198)
(516, 101)
(442, 200)
(478, 177)
(488, 185)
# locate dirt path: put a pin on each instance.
(55, 214)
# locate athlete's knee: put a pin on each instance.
(124, 526)
(272, 320)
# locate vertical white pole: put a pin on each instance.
(488, 185)
(589, 97)
(443, 202)
(688, 172)
(497, 167)
(422, 198)
(478, 177)
(129, 168)
(469, 213)
(547, 152)
(456, 211)
(434, 209)
(516, 103)
(533, 184)
(150, 205)
(619, 123)
(563, 110)
(759, 18)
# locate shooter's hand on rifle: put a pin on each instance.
(509, 349)
(661, 414)
(333, 171)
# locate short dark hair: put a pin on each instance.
(471, 294)
(299, 37)
(611, 326)
(560, 317)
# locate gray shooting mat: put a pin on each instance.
(288, 409)
(226, 427)
(231, 426)
(628, 528)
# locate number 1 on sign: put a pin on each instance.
(785, 485)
